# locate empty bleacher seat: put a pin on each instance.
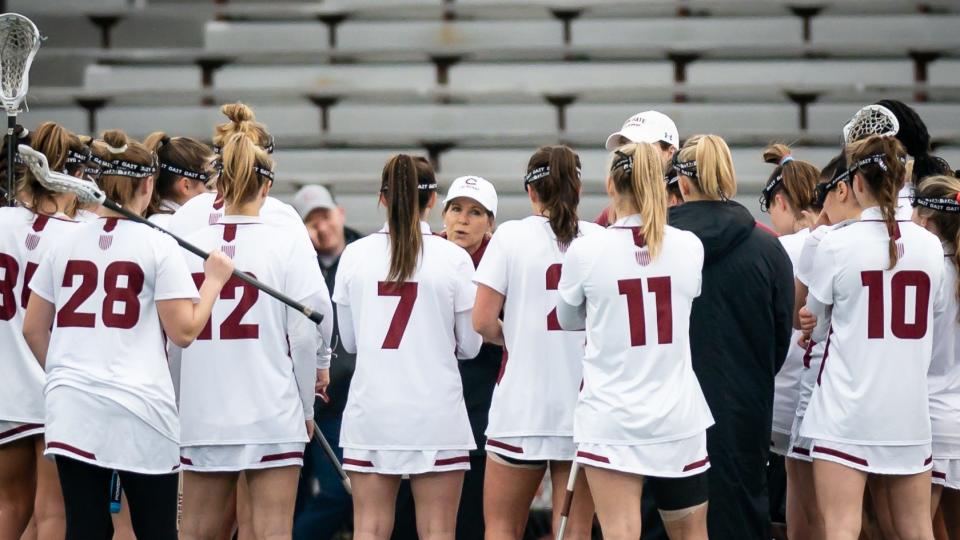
(885, 34)
(560, 78)
(141, 78)
(72, 118)
(345, 171)
(941, 119)
(331, 78)
(265, 37)
(506, 167)
(945, 72)
(800, 74)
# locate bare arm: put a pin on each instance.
(486, 314)
(36, 327)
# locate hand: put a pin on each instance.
(218, 267)
(804, 340)
(310, 428)
(323, 380)
(808, 321)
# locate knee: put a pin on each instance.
(914, 531)
(18, 508)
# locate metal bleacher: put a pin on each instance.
(476, 85)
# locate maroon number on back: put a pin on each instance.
(661, 289)
(407, 292)
(128, 294)
(68, 316)
(8, 300)
(553, 281)
(232, 326)
(920, 281)
(27, 276)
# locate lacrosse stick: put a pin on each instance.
(328, 450)
(88, 192)
(568, 499)
(19, 43)
(870, 120)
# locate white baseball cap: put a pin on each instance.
(312, 197)
(476, 188)
(647, 127)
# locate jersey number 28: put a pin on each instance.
(125, 296)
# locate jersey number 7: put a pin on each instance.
(407, 291)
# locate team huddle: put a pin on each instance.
(666, 349)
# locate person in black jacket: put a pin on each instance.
(323, 505)
(740, 329)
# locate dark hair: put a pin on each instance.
(125, 162)
(796, 179)
(557, 185)
(948, 223)
(184, 153)
(882, 177)
(407, 183)
(915, 138)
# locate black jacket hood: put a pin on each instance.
(720, 225)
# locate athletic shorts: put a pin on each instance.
(405, 462)
(674, 459)
(538, 450)
(241, 457)
(799, 446)
(14, 431)
(779, 443)
(900, 460)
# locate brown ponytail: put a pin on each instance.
(883, 181)
(637, 173)
(407, 183)
(181, 152)
(946, 223)
(117, 147)
(245, 170)
(715, 175)
(53, 141)
(242, 120)
(559, 190)
(798, 179)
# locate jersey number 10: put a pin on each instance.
(873, 281)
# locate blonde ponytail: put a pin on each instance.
(637, 173)
(714, 175)
(245, 169)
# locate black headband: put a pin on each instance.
(842, 175)
(767, 193)
(77, 158)
(120, 167)
(538, 174)
(939, 204)
(186, 173)
(268, 148)
(266, 173)
(685, 168)
(623, 161)
(423, 187)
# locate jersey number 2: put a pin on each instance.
(407, 291)
(920, 281)
(633, 290)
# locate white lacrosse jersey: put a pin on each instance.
(107, 339)
(904, 206)
(873, 383)
(542, 369)
(638, 381)
(943, 379)
(406, 392)
(24, 239)
(787, 382)
(162, 219)
(237, 382)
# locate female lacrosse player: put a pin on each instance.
(874, 287)
(404, 304)
(244, 405)
(531, 417)
(937, 209)
(27, 232)
(184, 165)
(641, 412)
(110, 294)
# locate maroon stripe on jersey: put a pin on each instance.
(594, 457)
(110, 224)
(928, 461)
(175, 467)
(278, 457)
(186, 460)
(18, 430)
(451, 461)
(826, 353)
(839, 454)
(638, 239)
(218, 203)
(40, 222)
(357, 462)
(505, 446)
(73, 449)
(808, 353)
(801, 451)
(940, 475)
(696, 464)
(229, 232)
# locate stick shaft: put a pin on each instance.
(309, 313)
(568, 499)
(328, 450)
(11, 159)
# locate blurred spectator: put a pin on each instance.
(323, 506)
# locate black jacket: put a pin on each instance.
(343, 363)
(740, 329)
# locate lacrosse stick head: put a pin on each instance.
(85, 190)
(870, 120)
(19, 43)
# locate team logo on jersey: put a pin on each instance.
(214, 218)
(229, 251)
(105, 241)
(643, 257)
(33, 240)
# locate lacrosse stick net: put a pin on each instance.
(85, 190)
(19, 43)
(870, 120)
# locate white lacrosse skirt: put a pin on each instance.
(800, 447)
(14, 431)
(673, 459)
(241, 457)
(873, 459)
(534, 448)
(405, 462)
(96, 430)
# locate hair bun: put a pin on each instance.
(238, 113)
(776, 153)
(116, 141)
